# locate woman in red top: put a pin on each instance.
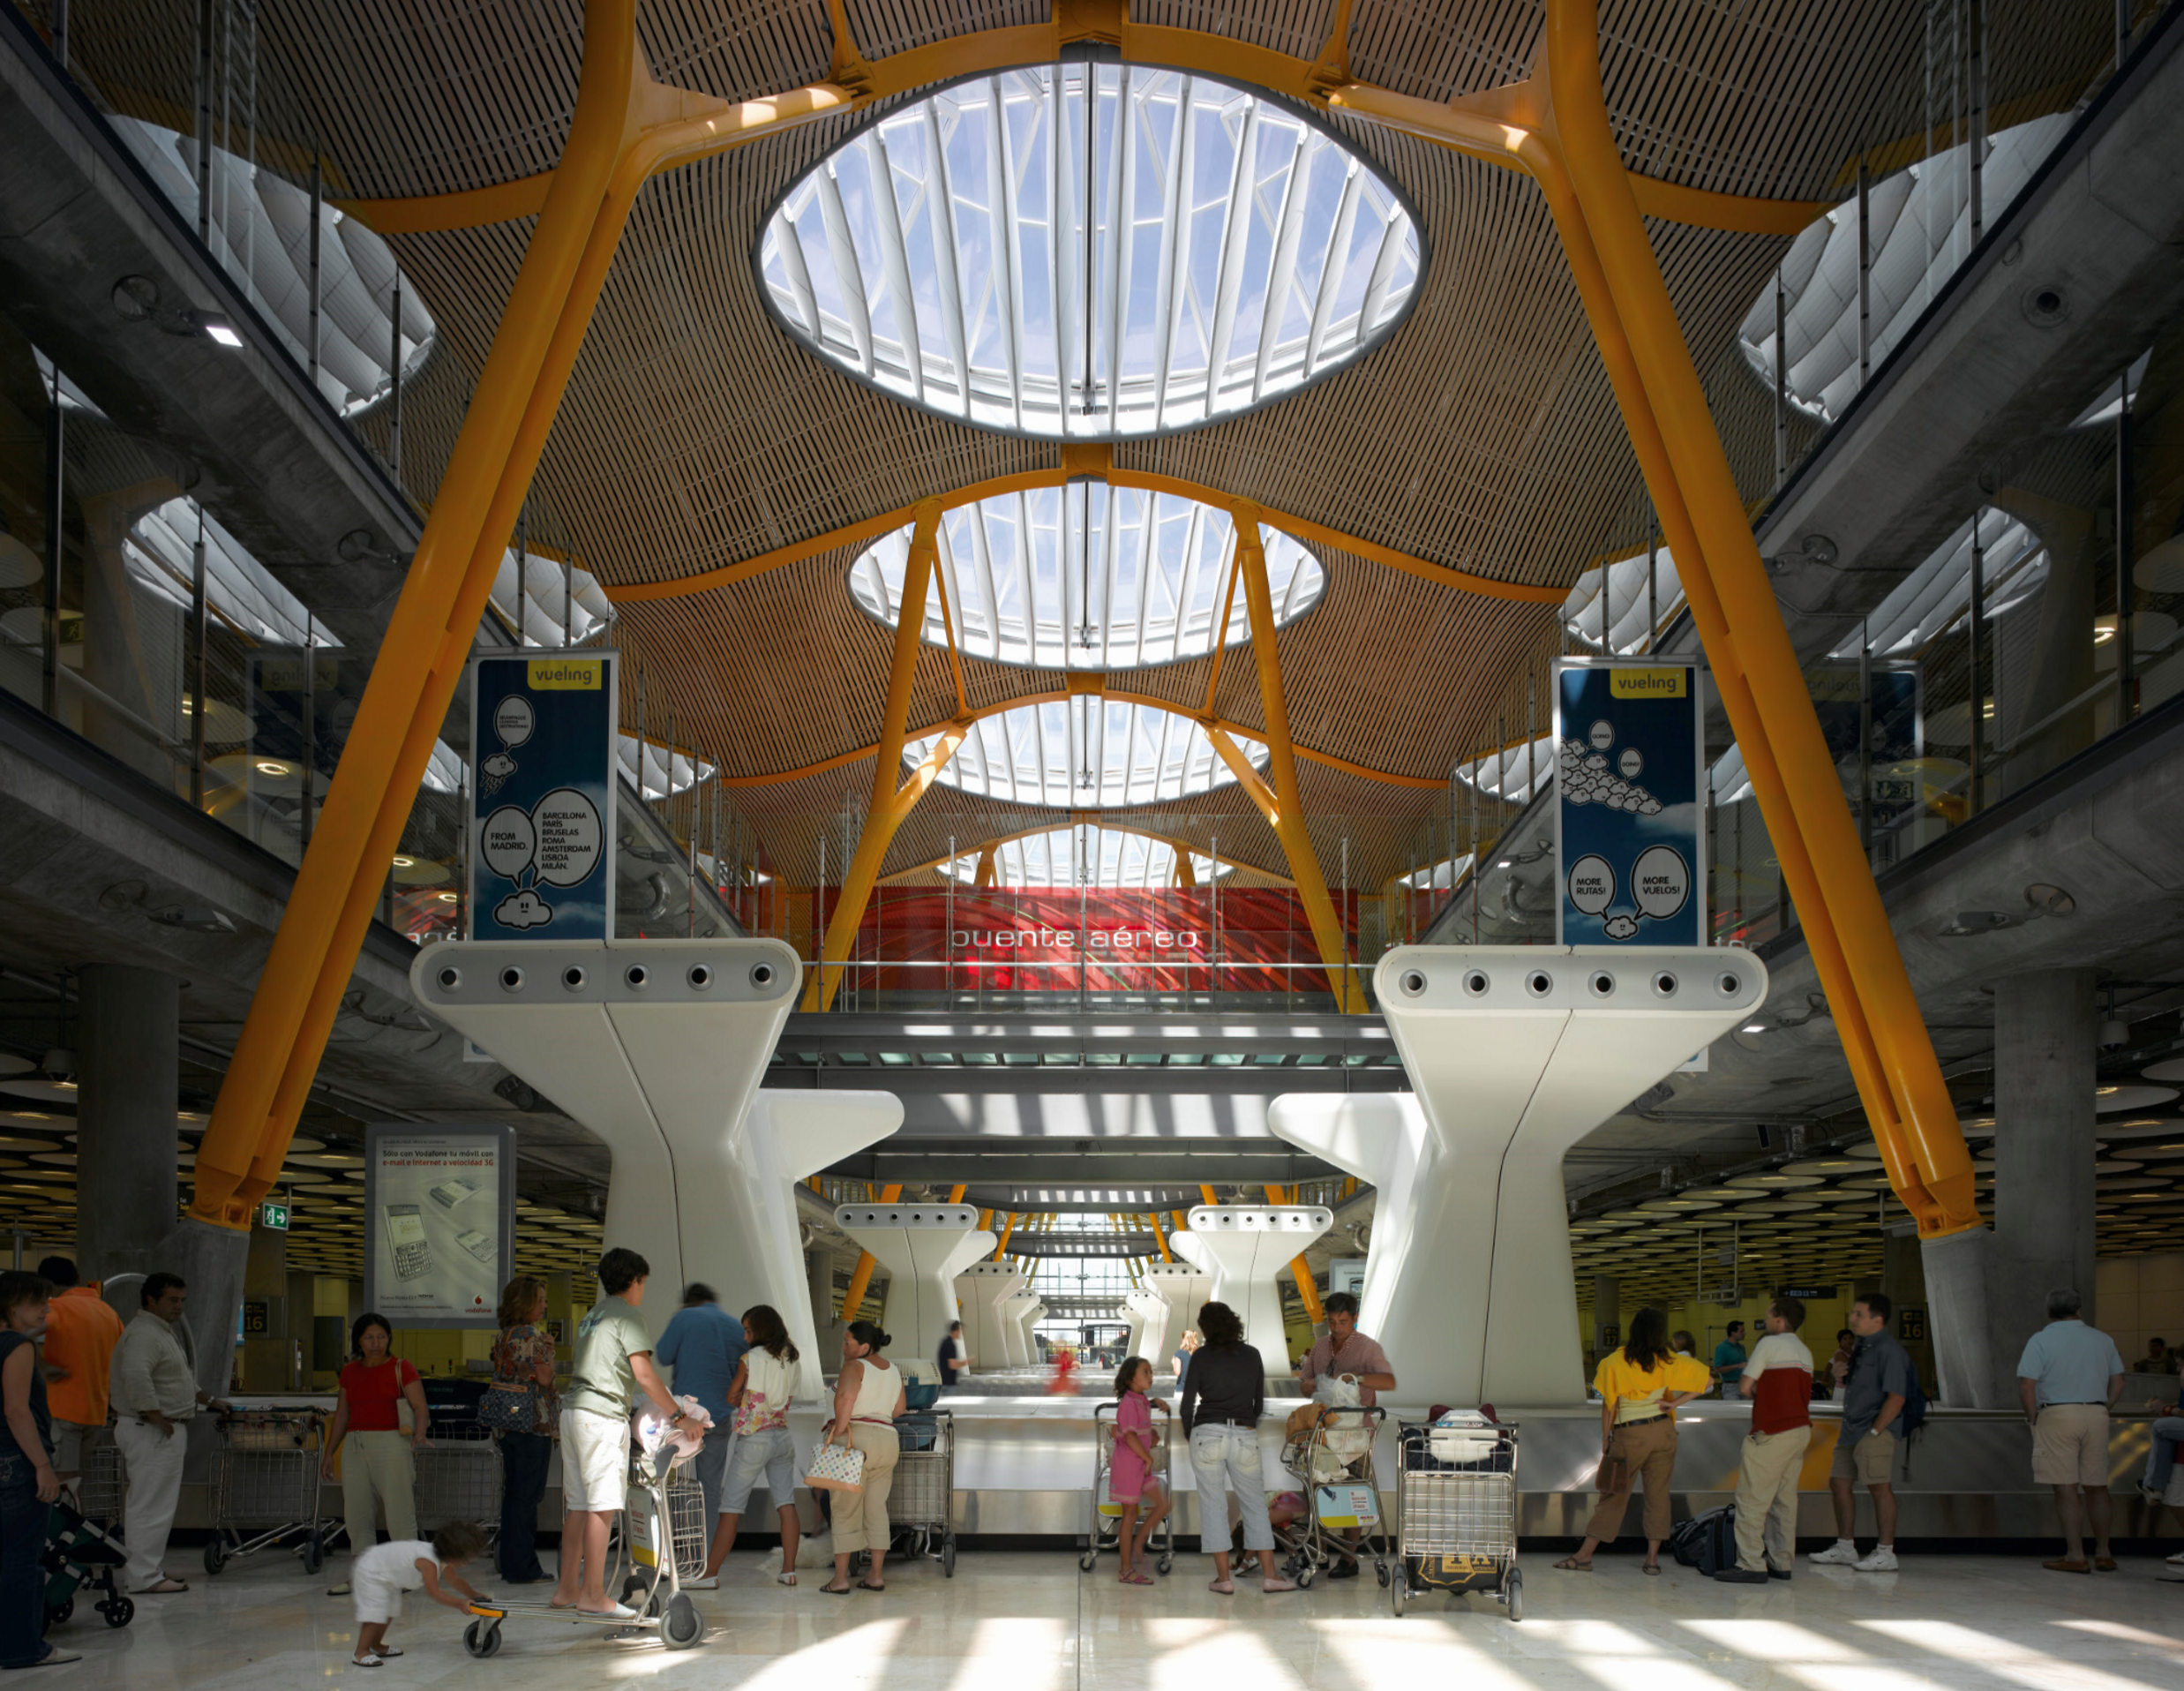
(380, 1472)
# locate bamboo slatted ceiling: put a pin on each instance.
(695, 434)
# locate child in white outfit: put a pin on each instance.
(379, 1577)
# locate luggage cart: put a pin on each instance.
(1331, 1460)
(263, 1485)
(103, 1488)
(1456, 1512)
(1104, 1527)
(663, 1534)
(458, 1478)
(921, 1507)
(80, 1556)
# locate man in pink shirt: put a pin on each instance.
(1344, 1353)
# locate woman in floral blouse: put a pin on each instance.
(522, 1369)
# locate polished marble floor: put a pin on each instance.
(1030, 1621)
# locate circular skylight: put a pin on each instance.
(1086, 752)
(1175, 250)
(1088, 577)
(1085, 855)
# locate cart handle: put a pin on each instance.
(487, 1610)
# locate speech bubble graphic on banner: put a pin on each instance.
(1592, 884)
(1620, 926)
(524, 909)
(514, 719)
(572, 840)
(1660, 882)
(507, 841)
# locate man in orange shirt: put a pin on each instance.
(81, 1332)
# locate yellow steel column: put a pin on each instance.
(421, 632)
(677, 125)
(1754, 647)
(1008, 1226)
(955, 1193)
(1288, 819)
(1165, 1254)
(860, 1277)
(892, 798)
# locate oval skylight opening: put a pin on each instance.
(1086, 752)
(1085, 855)
(1007, 253)
(1088, 577)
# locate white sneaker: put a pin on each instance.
(2176, 1560)
(1882, 1561)
(1842, 1553)
(704, 1583)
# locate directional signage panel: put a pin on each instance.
(542, 806)
(1629, 818)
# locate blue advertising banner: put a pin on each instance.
(542, 806)
(1630, 815)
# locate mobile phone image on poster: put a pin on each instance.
(441, 1222)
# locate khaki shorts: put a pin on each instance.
(594, 1461)
(2070, 1445)
(70, 1444)
(1872, 1459)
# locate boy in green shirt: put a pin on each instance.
(613, 1363)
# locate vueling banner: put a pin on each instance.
(1629, 816)
(542, 798)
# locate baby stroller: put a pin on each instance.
(79, 1555)
(1328, 1452)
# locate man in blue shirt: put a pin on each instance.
(703, 1344)
(1874, 1387)
(2068, 1377)
(1729, 1359)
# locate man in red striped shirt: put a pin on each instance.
(1778, 1379)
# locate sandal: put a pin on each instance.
(837, 1590)
(785, 1579)
(866, 1585)
(1134, 1577)
(1573, 1565)
(1653, 1568)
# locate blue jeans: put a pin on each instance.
(22, 1582)
(710, 1462)
(524, 1457)
(2164, 1435)
(772, 1453)
(1229, 1454)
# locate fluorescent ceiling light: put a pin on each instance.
(220, 331)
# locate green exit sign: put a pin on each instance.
(275, 1216)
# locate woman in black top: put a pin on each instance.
(1223, 1395)
(28, 1483)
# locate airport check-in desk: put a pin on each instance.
(1024, 1468)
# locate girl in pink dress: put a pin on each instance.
(1130, 1479)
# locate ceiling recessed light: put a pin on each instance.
(223, 333)
(268, 766)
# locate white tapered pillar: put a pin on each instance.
(1246, 1248)
(656, 1047)
(1148, 1316)
(982, 1289)
(1516, 1055)
(923, 1247)
(1185, 1286)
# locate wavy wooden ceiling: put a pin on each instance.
(695, 433)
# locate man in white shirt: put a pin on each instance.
(154, 1394)
(2069, 1377)
(1777, 1377)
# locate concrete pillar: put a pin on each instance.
(264, 1358)
(127, 1059)
(1903, 1278)
(827, 1325)
(1987, 1290)
(1607, 1313)
(2044, 1146)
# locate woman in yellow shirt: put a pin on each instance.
(1639, 1387)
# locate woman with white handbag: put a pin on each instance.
(868, 1397)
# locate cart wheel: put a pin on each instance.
(630, 1588)
(119, 1611)
(947, 1557)
(314, 1552)
(1088, 1560)
(681, 1627)
(481, 1638)
(56, 1617)
(1305, 1576)
(215, 1553)
(1512, 1594)
(1380, 1572)
(1166, 1565)
(1399, 1591)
